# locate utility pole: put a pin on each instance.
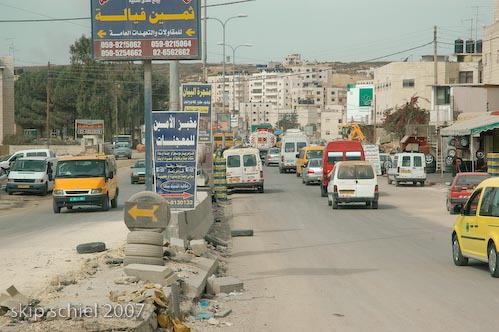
(435, 89)
(116, 86)
(48, 105)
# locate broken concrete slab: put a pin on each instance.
(224, 285)
(207, 264)
(177, 245)
(151, 273)
(198, 247)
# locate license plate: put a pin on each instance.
(234, 180)
(142, 178)
(405, 171)
(76, 199)
(345, 193)
(22, 186)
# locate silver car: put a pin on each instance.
(312, 172)
(273, 156)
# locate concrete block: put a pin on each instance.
(153, 273)
(224, 285)
(177, 226)
(199, 247)
(200, 219)
(206, 264)
(194, 285)
(177, 245)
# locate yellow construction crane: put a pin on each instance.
(352, 132)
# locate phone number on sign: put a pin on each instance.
(171, 51)
(120, 53)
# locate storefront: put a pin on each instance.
(466, 143)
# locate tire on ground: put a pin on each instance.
(145, 237)
(143, 260)
(146, 250)
(91, 247)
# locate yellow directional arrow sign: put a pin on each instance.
(135, 212)
(102, 33)
(190, 32)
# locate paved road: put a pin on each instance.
(311, 268)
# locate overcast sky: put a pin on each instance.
(322, 30)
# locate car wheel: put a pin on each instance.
(374, 204)
(10, 192)
(57, 209)
(457, 256)
(45, 190)
(422, 183)
(493, 268)
(105, 203)
(334, 204)
(280, 170)
(260, 189)
(447, 205)
(114, 201)
(297, 174)
(396, 183)
(329, 202)
(389, 180)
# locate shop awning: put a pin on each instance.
(472, 126)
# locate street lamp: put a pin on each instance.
(223, 23)
(234, 69)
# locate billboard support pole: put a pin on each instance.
(147, 121)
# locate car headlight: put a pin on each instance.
(96, 191)
(134, 174)
(58, 192)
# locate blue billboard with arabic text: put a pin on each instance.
(175, 141)
(146, 29)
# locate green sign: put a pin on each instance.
(365, 97)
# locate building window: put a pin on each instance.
(443, 95)
(408, 83)
(465, 77)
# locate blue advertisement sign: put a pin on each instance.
(175, 137)
(197, 98)
(146, 29)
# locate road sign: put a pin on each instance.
(147, 210)
(146, 29)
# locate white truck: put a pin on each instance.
(291, 143)
(263, 141)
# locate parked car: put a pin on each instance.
(312, 171)
(138, 174)
(476, 231)
(408, 167)
(273, 156)
(353, 181)
(461, 188)
(5, 164)
(122, 149)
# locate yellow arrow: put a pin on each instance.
(102, 33)
(148, 213)
(190, 32)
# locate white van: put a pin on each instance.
(408, 167)
(353, 181)
(244, 168)
(32, 174)
(27, 153)
(291, 144)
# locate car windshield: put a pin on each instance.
(314, 163)
(140, 164)
(29, 166)
(314, 154)
(121, 145)
(80, 168)
(274, 151)
(470, 180)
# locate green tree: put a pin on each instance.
(410, 113)
(31, 100)
(288, 121)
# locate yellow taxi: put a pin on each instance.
(306, 153)
(476, 231)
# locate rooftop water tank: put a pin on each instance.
(479, 44)
(458, 46)
(470, 46)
